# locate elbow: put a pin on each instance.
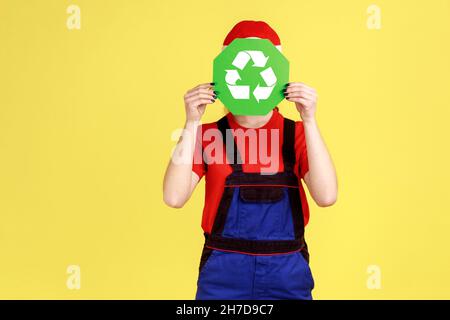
(173, 201)
(326, 201)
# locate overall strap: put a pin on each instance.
(233, 156)
(289, 144)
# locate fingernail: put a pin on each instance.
(215, 92)
(214, 96)
(212, 100)
(212, 83)
(287, 84)
(284, 90)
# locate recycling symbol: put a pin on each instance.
(249, 76)
(243, 91)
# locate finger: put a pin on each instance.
(299, 88)
(301, 94)
(302, 101)
(199, 102)
(199, 91)
(200, 96)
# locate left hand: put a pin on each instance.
(305, 99)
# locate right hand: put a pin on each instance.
(196, 99)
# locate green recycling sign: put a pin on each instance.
(249, 76)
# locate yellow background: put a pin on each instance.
(86, 118)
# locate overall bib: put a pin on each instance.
(256, 248)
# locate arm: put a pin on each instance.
(321, 178)
(179, 180)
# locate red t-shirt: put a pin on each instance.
(217, 172)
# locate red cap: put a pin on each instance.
(248, 28)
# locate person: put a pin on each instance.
(255, 205)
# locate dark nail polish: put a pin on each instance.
(213, 100)
(212, 83)
(215, 97)
(215, 92)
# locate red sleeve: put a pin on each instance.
(198, 165)
(300, 149)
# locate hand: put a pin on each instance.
(196, 99)
(305, 99)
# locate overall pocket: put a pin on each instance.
(263, 213)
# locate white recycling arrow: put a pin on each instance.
(241, 60)
(269, 76)
(262, 93)
(240, 92)
(243, 57)
(232, 76)
(259, 60)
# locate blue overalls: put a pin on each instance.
(256, 248)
